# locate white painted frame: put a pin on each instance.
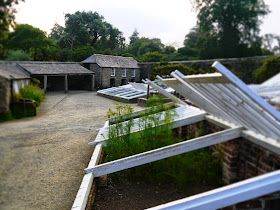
(113, 72)
(228, 195)
(214, 199)
(123, 72)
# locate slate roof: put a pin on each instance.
(54, 68)
(12, 71)
(112, 61)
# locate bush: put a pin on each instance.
(6, 116)
(34, 93)
(270, 67)
(163, 70)
(36, 81)
(196, 167)
(18, 55)
(152, 57)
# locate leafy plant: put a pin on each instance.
(269, 68)
(18, 55)
(34, 93)
(35, 81)
(196, 167)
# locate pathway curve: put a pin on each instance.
(42, 158)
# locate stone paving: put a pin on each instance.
(43, 157)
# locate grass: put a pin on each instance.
(196, 167)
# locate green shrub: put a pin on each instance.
(270, 67)
(196, 167)
(34, 93)
(36, 81)
(6, 116)
(163, 70)
(18, 55)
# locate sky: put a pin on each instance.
(169, 20)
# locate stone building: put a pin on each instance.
(59, 76)
(12, 79)
(112, 71)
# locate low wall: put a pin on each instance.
(234, 64)
(242, 159)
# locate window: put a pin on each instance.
(123, 72)
(113, 72)
(133, 73)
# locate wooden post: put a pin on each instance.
(45, 82)
(148, 91)
(93, 82)
(66, 84)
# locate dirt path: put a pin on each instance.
(42, 158)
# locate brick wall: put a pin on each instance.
(242, 159)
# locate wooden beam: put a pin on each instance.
(65, 84)
(85, 187)
(255, 97)
(165, 152)
(45, 82)
(228, 195)
(164, 92)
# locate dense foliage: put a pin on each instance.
(224, 29)
(166, 69)
(195, 167)
(33, 92)
(270, 67)
(18, 55)
(228, 28)
(7, 17)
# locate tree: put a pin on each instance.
(7, 17)
(56, 32)
(169, 50)
(231, 23)
(133, 37)
(18, 55)
(152, 57)
(91, 28)
(191, 38)
(31, 40)
(149, 47)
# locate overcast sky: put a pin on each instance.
(169, 20)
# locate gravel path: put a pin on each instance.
(43, 157)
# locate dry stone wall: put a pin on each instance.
(5, 95)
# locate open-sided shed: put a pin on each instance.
(225, 101)
(59, 76)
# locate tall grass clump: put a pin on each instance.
(33, 92)
(196, 167)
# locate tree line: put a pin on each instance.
(225, 28)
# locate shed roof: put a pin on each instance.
(112, 61)
(12, 71)
(54, 68)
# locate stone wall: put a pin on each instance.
(233, 64)
(5, 95)
(118, 78)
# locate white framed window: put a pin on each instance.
(123, 72)
(113, 72)
(133, 74)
